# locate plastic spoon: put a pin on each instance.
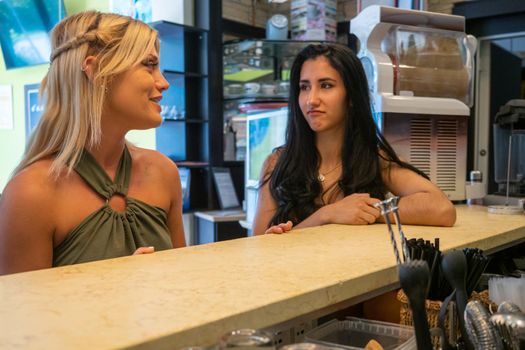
(414, 276)
(454, 265)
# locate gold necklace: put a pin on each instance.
(322, 177)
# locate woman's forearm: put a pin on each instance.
(426, 208)
(318, 218)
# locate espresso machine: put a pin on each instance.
(419, 67)
(509, 158)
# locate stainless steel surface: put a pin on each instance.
(390, 206)
(508, 170)
(494, 199)
(511, 328)
(482, 334)
(505, 209)
(507, 307)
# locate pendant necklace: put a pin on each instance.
(322, 177)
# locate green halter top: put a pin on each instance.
(106, 233)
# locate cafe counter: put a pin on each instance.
(191, 296)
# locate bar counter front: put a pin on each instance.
(191, 296)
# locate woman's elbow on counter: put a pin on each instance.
(447, 215)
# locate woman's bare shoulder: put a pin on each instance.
(152, 160)
(271, 161)
(35, 182)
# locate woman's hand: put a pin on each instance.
(281, 228)
(144, 250)
(355, 209)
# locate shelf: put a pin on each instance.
(247, 75)
(184, 50)
(182, 140)
(191, 60)
(194, 210)
(186, 74)
(261, 67)
(165, 28)
(191, 121)
(257, 98)
(233, 163)
(191, 164)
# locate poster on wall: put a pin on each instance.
(6, 107)
(177, 11)
(139, 9)
(33, 107)
(24, 30)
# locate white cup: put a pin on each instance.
(235, 89)
(268, 89)
(284, 87)
(252, 88)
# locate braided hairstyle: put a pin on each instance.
(71, 119)
(89, 36)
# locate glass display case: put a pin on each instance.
(256, 78)
(430, 62)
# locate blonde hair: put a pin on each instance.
(71, 118)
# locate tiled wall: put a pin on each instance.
(255, 12)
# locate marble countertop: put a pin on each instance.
(192, 295)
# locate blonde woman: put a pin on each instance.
(81, 192)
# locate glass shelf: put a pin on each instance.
(256, 77)
(186, 74)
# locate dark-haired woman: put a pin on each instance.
(335, 163)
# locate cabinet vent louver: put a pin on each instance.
(447, 135)
(421, 144)
(435, 145)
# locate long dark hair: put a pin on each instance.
(293, 181)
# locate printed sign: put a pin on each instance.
(6, 107)
(34, 107)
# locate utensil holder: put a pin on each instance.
(433, 307)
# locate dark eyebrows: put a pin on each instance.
(322, 80)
